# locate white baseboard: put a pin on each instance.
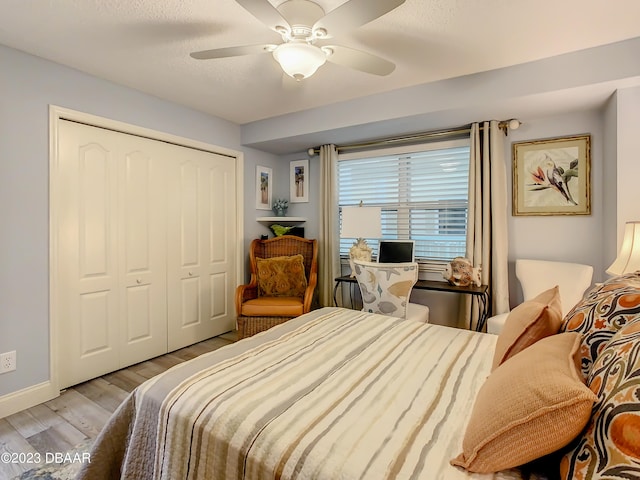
(27, 398)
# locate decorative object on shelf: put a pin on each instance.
(628, 260)
(279, 230)
(280, 207)
(264, 186)
(551, 176)
(461, 273)
(360, 222)
(299, 181)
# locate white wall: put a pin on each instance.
(628, 158)
(252, 228)
(569, 238)
(609, 178)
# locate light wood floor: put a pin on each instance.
(80, 412)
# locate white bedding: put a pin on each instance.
(334, 394)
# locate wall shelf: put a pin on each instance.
(281, 220)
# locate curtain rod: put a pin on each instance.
(504, 125)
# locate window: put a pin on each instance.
(423, 192)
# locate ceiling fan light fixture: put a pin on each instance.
(299, 59)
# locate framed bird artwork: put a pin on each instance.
(552, 176)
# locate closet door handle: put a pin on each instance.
(191, 274)
(138, 281)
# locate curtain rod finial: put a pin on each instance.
(507, 125)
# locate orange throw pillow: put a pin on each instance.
(527, 323)
(533, 404)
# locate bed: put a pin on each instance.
(333, 394)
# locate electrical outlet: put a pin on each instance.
(7, 362)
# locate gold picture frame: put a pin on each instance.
(552, 176)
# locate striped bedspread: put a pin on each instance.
(338, 394)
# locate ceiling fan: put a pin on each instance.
(304, 28)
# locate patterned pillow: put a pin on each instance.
(610, 446)
(281, 276)
(604, 310)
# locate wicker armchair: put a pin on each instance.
(256, 312)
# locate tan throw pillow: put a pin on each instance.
(527, 323)
(281, 276)
(533, 404)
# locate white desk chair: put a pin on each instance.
(536, 276)
(386, 287)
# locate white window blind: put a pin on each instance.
(423, 192)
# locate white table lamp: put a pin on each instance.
(628, 259)
(360, 223)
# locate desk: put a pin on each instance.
(482, 292)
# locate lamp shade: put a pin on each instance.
(299, 59)
(361, 222)
(628, 259)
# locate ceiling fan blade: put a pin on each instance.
(354, 13)
(359, 60)
(233, 51)
(266, 13)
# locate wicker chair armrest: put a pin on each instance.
(244, 293)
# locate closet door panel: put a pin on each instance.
(96, 334)
(142, 215)
(87, 272)
(111, 251)
(138, 312)
(200, 232)
(189, 214)
(187, 309)
(219, 295)
(95, 215)
(190, 314)
(221, 263)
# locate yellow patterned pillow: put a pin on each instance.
(281, 276)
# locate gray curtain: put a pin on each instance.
(328, 250)
(487, 224)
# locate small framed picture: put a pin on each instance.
(299, 181)
(552, 176)
(264, 187)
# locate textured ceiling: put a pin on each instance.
(145, 44)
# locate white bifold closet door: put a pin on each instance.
(145, 248)
(202, 246)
